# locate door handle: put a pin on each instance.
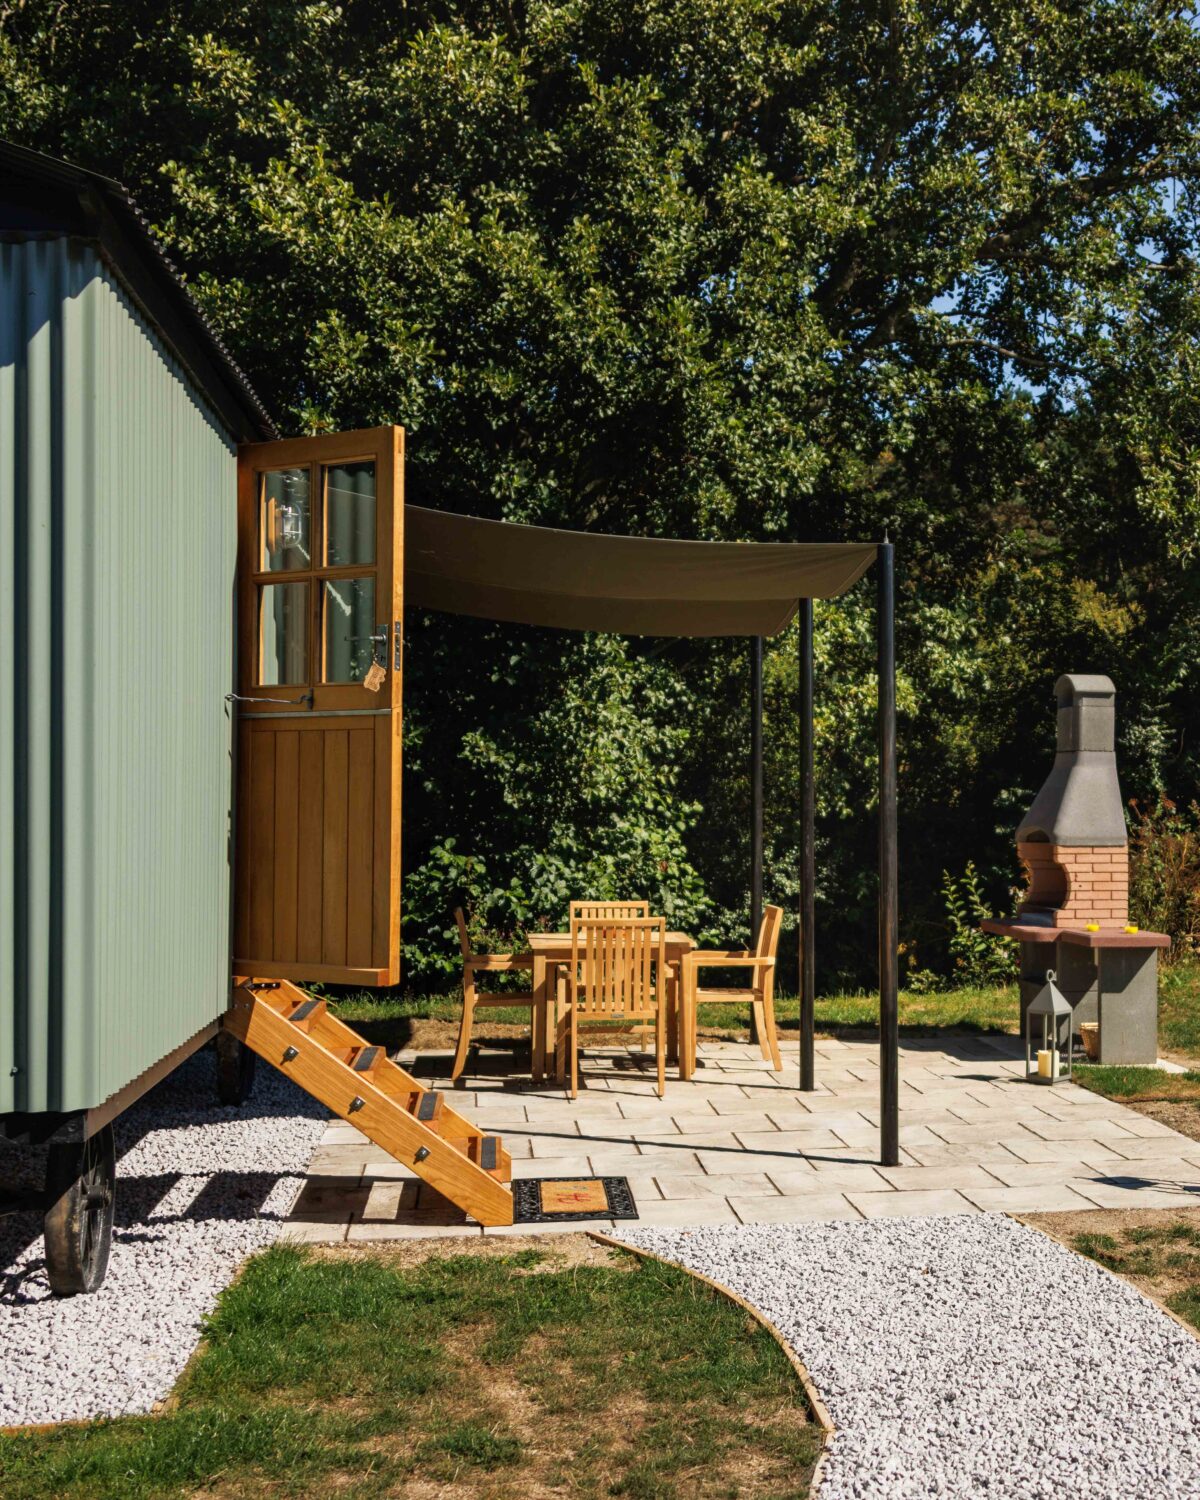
(380, 640)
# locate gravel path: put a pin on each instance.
(967, 1356)
(199, 1187)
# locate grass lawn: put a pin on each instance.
(1179, 1010)
(515, 1373)
(978, 1009)
(1139, 1085)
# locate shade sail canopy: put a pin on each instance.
(621, 585)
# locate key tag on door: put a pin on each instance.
(375, 678)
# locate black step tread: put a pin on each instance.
(366, 1059)
(489, 1152)
(305, 1009)
(428, 1106)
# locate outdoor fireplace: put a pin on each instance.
(1074, 917)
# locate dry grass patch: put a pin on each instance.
(1156, 1250)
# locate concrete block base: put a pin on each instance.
(1118, 987)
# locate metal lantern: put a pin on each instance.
(1051, 1009)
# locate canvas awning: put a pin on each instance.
(623, 585)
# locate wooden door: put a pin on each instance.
(319, 600)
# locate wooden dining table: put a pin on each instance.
(550, 949)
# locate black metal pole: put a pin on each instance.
(756, 800)
(808, 855)
(889, 922)
(756, 787)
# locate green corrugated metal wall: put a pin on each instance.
(117, 556)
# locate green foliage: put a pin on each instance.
(1164, 874)
(976, 958)
(711, 268)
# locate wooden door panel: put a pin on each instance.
(312, 848)
(318, 820)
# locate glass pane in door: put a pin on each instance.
(349, 610)
(284, 521)
(283, 634)
(349, 515)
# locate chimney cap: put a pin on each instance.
(1072, 686)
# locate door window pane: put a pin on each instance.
(349, 515)
(283, 612)
(349, 625)
(284, 521)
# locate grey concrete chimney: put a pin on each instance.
(1073, 839)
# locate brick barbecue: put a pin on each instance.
(1074, 917)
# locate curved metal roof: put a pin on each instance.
(41, 196)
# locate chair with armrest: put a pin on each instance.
(760, 992)
(475, 999)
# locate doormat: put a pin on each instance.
(557, 1200)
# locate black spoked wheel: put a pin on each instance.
(235, 1069)
(80, 1194)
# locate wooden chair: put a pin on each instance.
(583, 910)
(760, 992)
(615, 983)
(473, 999)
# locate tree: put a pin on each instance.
(714, 268)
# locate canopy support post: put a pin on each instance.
(756, 799)
(808, 860)
(889, 1013)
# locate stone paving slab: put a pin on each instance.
(742, 1144)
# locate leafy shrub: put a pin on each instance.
(975, 957)
(1164, 872)
(966, 956)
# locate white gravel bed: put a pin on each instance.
(967, 1356)
(199, 1187)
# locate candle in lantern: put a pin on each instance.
(1048, 1063)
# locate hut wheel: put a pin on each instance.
(80, 1181)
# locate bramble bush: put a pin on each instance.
(1164, 873)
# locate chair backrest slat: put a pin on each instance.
(464, 940)
(617, 909)
(620, 965)
(768, 932)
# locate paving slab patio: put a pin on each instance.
(741, 1144)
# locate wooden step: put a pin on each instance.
(426, 1105)
(306, 1014)
(488, 1154)
(363, 1059)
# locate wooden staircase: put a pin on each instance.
(296, 1034)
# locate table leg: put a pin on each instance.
(674, 1014)
(562, 1059)
(539, 1018)
(687, 1030)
